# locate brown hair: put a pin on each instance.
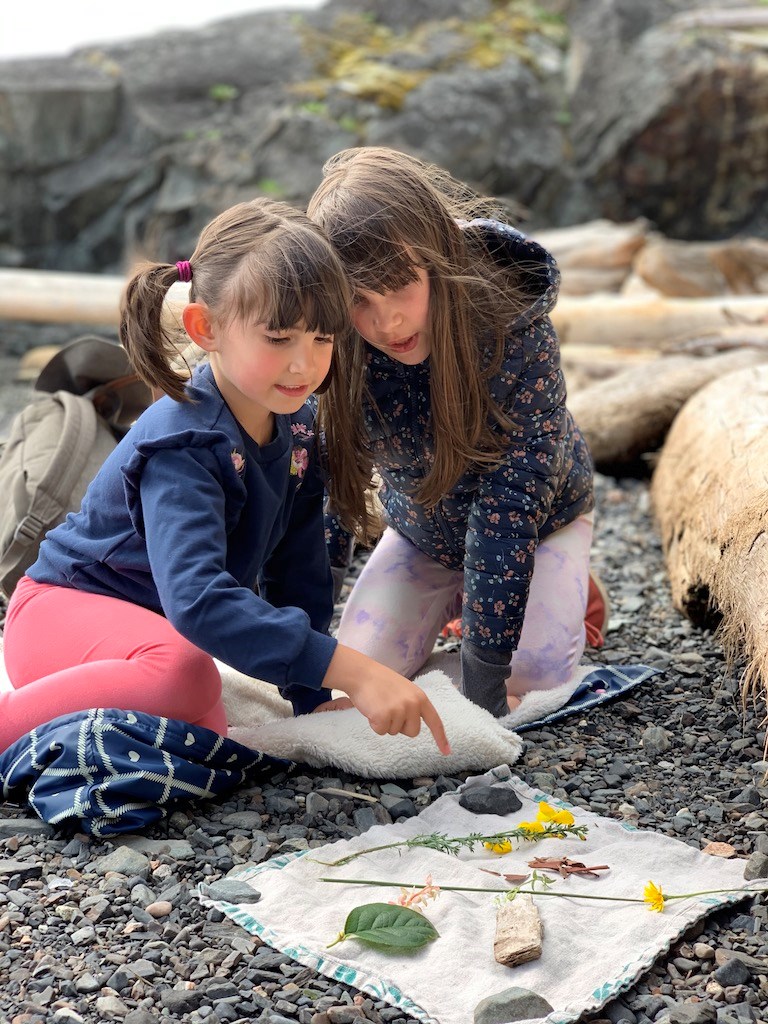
(262, 260)
(387, 213)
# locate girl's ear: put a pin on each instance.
(197, 324)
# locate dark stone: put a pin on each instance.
(733, 972)
(490, 800)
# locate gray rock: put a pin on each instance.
(511, 1005)
(124, 861)
(9, 868)
(490, 800)
(655, 740)
(178, 849)
(616, 1012)
(316, 804)
(243, 819)
(757, 866)
(733, 972)
(692, 1013)
(231, 890)
(181, 1000)
(24, 827)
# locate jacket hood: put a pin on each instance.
(536, 268)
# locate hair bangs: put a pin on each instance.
(295, 279)
(369, 240)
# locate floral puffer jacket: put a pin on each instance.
(491, 523)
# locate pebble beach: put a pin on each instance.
(97, 930)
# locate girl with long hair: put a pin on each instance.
(452, 393)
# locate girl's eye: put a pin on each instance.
(275, 340)
(324, 339)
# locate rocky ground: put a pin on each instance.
(99, 931)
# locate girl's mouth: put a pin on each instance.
(296, 391)
(407, 345)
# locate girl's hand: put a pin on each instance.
(337, 704)
(391, 703)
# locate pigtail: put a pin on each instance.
(150, 347)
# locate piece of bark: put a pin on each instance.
(710, 495)
(519, 932)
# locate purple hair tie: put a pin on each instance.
(184, 268)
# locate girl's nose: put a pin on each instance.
(386, 319)
(303, 359)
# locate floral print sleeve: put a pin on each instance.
(512, 506)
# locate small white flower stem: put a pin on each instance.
(540, 892)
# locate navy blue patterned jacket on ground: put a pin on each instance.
(491, 523)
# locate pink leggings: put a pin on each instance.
(67, 650)
(402, 599)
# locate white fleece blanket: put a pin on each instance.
(592, 951)
(260, 718)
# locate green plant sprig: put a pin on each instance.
(454, 844)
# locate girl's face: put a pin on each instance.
(396, 323)
(261, 372)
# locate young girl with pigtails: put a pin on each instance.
(202, 535)
(486, 483)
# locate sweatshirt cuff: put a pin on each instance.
(311, 663)
(484, 673)
(310, 667)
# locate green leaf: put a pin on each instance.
(389, 927)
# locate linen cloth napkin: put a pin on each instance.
(592, 951)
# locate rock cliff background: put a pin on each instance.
(570, 109)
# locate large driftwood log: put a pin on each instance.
(696, 269)
(595, 256)
(628, 415)
(650, 321)
(710, 495)
(46, 296)
(50, 296)
(585, 364)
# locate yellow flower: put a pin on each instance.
(548, 813)
(503, 846)
(531, 826)
(654, 897)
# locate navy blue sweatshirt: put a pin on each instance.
(189, 517)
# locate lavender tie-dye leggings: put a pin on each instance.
(403, 598)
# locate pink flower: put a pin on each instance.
(299, 462)
(417, 897)
(238, 461)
